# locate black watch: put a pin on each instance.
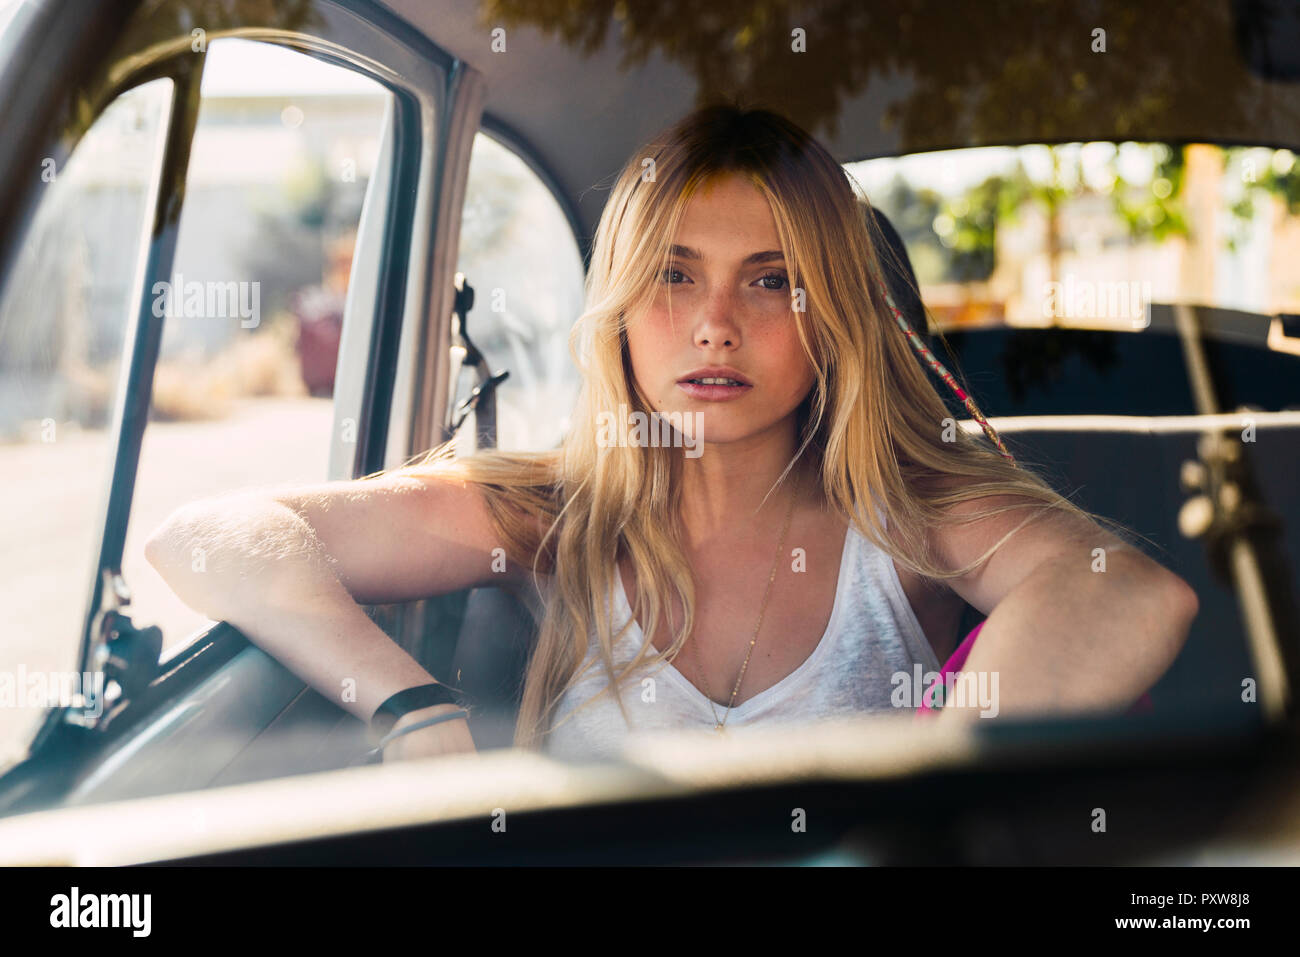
(404, 702)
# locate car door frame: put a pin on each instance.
(210, 699)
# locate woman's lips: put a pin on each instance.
(713, 393)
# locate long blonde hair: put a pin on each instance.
(873, 424)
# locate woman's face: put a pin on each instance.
(732, 318)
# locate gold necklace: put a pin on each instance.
(720, 724)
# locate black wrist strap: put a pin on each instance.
(412, 699)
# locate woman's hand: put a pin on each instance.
(445, 737)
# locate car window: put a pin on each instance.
(518, 251)
(1040, 263)
(64, 312)
(1085, 234)
(283, 150)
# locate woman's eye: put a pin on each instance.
(668, 274)
(774, 277)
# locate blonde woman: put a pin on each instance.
(757, 516)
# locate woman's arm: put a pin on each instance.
(1076, 620)
(291, 569)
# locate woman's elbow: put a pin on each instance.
(165, 546)
(158, 547)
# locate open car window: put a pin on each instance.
(518, 251)
(62, 328)
(253, 316)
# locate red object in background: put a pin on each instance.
(320, 327)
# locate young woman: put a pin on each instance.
(761, 513)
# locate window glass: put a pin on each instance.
(253, 314)
(1040, 264)
(10, 21)
(518, 251)
(64, 312)
(1085, 234)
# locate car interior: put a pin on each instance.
(1102, 462)
(220, 711)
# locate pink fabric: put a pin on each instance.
(958, 658)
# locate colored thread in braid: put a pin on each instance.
(938, 369)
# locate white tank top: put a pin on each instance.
(872, 635)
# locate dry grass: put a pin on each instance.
(262, 363)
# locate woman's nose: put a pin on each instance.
(716, 322)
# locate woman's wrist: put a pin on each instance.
(415, 717)
(411, 737)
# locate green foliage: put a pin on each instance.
(309, 192)
(1155, 210)
(1280, 177)
(963, 228)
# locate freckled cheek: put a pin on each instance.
(650, 348)
(779, 346)
(654, 328)
(791, 367)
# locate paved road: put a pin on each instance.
(50, 515)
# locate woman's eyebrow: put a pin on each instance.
(688, 252)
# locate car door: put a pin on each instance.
(373, 215)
